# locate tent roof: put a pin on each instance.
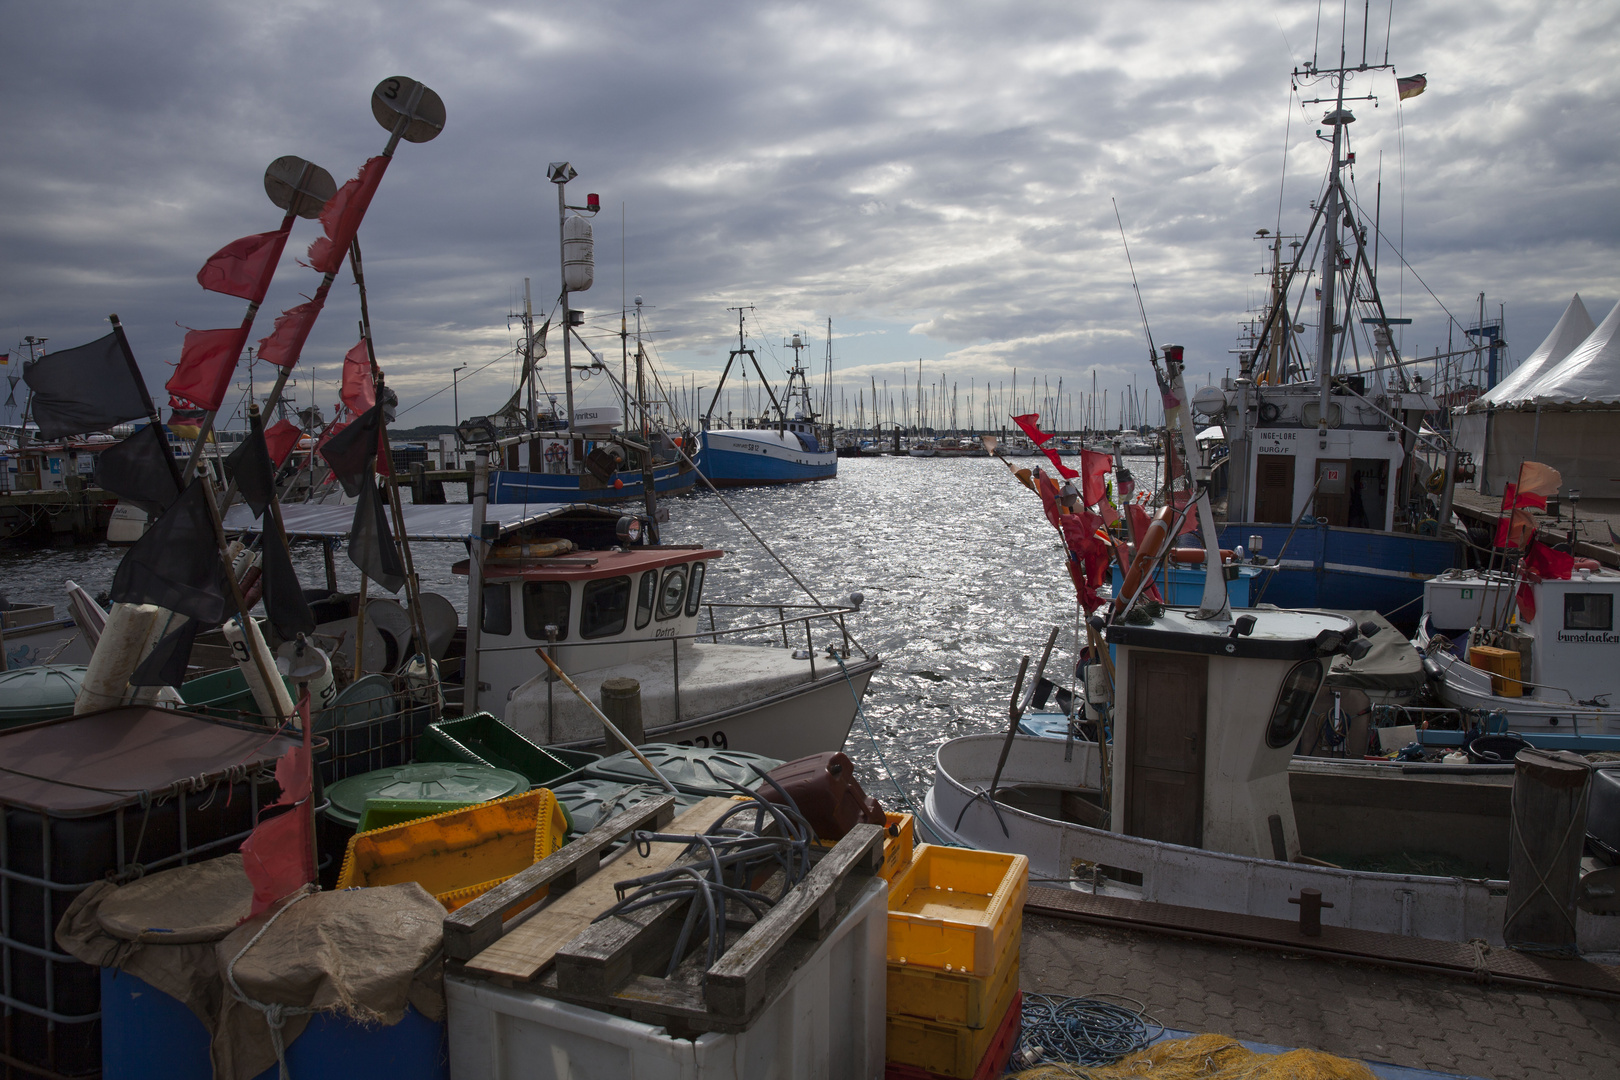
(1573, 327)
(1589, 375)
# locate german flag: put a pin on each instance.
(186, 419)
(1411, 86)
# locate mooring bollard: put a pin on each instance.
(1310, 911)
(1548, 831)
(621, 702)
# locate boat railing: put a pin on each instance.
(784, 622)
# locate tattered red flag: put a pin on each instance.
(279, 855)
(1087, 560)
(286, 341)
(1527, 602)
(1548, 563)
(359, 391)
(1094, 470)
(1030, 423)
(342, 215)
(280, 439)
(244, 267)
(207, 363)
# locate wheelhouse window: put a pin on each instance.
(645, 595)
(604, 607)
(1588, 611)
(672, 593)
(545, 603)
(694, 589)
(497, 608)
(1294, 703)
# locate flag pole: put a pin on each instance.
(146, 398)
(413, 591)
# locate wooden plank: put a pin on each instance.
(739, 981)
(606, 956)
(470, 930)
(528, 948)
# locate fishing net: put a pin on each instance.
(1208, 1057)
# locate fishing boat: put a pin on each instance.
(785, 445)
(1327, 470)
(577, 453)
(1192, 795)
(1549, 674)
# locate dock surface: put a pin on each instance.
(1351, 1009)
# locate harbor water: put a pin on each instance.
(960, 573)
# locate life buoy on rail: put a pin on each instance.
(1269, 412)
(556, 452)
(1196, 555)
(1147, 550)
(1587, 564)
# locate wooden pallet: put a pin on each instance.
(618, 965)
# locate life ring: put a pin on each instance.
(1147, 550)
(1269, 412)
(1587, 564)
(556, 452)
(1437, 482)
(1196, 555)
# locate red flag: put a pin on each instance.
(244, 267)
(1536, 482)
(1136, 523)
(279, 855)
(1087, 560)
(287, 337)
(1095, 467)
(1527, 602)
(1189, 523)
(207, 362)
(280, 439)
(1547, 563)
(1030, 423)
(359, 391)
(342, 215)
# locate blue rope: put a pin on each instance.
(1080, 1031)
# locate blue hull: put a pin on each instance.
(528, 488)
(1328, 567)
(766, 465)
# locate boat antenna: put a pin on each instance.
(1153, 355)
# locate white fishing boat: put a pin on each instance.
(1556, 672)
(1198, 800)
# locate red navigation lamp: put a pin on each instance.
(1172, 353)
(593, 202)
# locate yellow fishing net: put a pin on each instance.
(1209, 1057)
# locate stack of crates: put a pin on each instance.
(955, 920)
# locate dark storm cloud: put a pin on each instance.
(942, 169)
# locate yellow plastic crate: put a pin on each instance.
(1503, 664)
(897, 846)
(461, 854)
(955, 909)
(944, 997)
(948, 1049)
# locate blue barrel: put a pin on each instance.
(148, 1035)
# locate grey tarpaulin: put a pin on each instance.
(364, 953)
(1392, 665)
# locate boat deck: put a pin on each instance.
(1277, 992)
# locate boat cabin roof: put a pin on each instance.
(583, 565)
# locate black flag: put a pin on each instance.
(169, 659)
(140, 470)
(177, 563)
(352, 454)
(86, 389)
(255, 477)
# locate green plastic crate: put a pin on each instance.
(381, 813)
(483, 740)
(225, 694)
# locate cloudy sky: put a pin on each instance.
(934, 177)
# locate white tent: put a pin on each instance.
(1564, 411)
(1573, 327)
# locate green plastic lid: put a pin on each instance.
(446, 781)
(701, 770)
(591, 800)
(44, 692)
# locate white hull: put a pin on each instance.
(1468, 687)
(1446, 909)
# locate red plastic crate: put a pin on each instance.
(995, 1059)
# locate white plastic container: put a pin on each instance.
(827, 1021)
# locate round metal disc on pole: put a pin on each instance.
(297, 186)
(399, 98)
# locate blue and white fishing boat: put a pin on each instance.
(1327, 477)
(784, 446)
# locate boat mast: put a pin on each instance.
(559, 173)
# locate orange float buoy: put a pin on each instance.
(617, 483)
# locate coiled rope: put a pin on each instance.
(1081, 1031)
